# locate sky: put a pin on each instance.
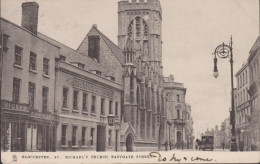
(191, 30)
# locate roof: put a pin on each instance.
(255, 47)
(73, 55)
(112, 46)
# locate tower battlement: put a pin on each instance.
(139, 5)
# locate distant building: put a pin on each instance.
(226, 133)
(179, 129)
(217, 136)
(254, 92)
(242, 108)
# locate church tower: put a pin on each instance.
(139, 35)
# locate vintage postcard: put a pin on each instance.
(130, 81)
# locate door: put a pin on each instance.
(129, 143)
(101, 138)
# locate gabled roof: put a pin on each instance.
(112, 46)
(73, 55)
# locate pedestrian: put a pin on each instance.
(223, 145)
(170, 144)
(166, 145)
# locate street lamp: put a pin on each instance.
(224, 51)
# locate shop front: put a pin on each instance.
(26, 130)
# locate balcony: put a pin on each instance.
(179, 121)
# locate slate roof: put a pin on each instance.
(113, 47)
(73, 55)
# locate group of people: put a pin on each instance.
(172, 145)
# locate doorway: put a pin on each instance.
(179, 137)
(129, 143)
(101, 138)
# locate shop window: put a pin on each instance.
(83, 136)
(63, 134)
(16, 90)
(31, 95)
(45, 99)
(33, 63)
(102, 106)
(92, 131)
(46, 66)
(74, 136)
(65, 97)
(18, 55)
(109, 137)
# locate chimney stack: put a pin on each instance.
(30, 16)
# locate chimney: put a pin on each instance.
(30, 16)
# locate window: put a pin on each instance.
(93, 107)
(92, 131)
(18, 55)
(80, 65)
(116, 109)
(84, 105)
(246, 76)
(63, 134)
(74, 136)
(16, 90)
(65, 97)
(62, 58)
(32, 65)
(102, 106)
(178, 114)
(46, 66)
(75, 100)
(94, 47)
(83, 136)
(110, 107)
(31, 94)
(109, 137)
(178, 98)
(45, 99)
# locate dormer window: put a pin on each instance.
(80, 65)
(96, 72)
(111, 78)
(62, 58)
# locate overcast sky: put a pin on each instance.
(191, 30)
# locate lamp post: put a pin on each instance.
(224, 51)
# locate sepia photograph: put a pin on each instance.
(130, 81)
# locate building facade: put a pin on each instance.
(179, 127)
(139, 35)
(28, 120)
(99, 97)
(254, 79)
(242, 108)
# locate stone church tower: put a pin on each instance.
(139, 35)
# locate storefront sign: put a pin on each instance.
(14, 106)
(43, 116)
(90, 87)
